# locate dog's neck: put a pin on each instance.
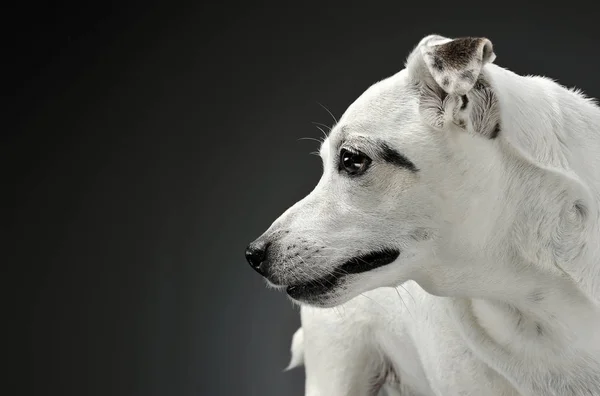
(536, 354)
(540, 313)
(561, 136)
(532, 322)
(535, 327)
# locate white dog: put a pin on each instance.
(452, 245)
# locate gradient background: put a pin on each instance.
(145, 144)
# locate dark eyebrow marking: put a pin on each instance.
(392, 156)
(379, 148)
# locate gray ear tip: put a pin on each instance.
(488, 54)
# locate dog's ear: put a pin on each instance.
(453, 86)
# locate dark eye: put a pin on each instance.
(354, 162)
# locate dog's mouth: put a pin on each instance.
(356, 265)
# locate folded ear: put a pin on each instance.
(455, 65)
(453, 85)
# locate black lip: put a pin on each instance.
(355, 265)
(314, 287)
(369, 261)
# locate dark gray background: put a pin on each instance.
(145, 144)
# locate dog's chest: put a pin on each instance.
(535, 359)
(430, 358)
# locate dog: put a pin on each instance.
(452, 244)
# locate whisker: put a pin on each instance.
(323, 125)
(403, 303)
(311, 138)
(376, 302)
(322, 131)
(317, 278)
(326, 109)
(308, 279)
(406, 290)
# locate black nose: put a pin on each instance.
(256, 253)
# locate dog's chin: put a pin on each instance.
(325, 298)
(335, 288)
(275, 286)
(324, 301)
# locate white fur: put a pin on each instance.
(501, 293)
(297, 350)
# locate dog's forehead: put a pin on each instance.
(380, 111)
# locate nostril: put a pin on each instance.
(254, 256)
(256, 253)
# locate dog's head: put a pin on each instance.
(411, 172)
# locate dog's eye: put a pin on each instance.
(354, 162)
